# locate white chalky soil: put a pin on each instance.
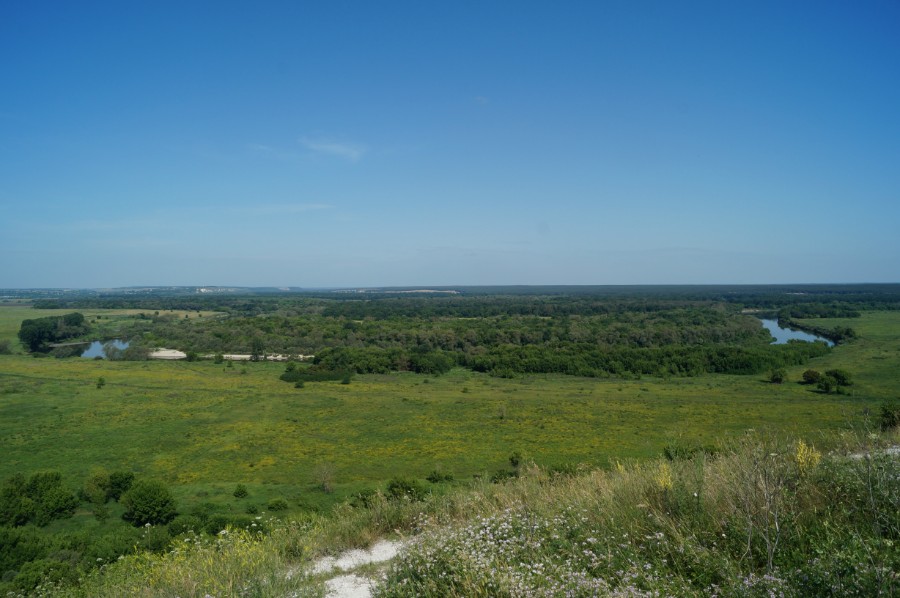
(349, 585)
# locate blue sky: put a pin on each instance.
(426, 143)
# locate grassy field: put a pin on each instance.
(11, 317)
(204, 427)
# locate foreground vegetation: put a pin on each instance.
(763, 517)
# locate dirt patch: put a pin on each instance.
(348, 584)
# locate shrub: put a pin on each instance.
(436, 477)
(70, 351)
(120, 483)
(841, 377)
(314, 375)
(677, 451)
(96, 487)
(240, 491)
(777, 376)
(890, 415)
(56, 503)
(41, 571)
(812, 376)
(826, 384)
(112, 351)
(136, 352)
(277, 504)
(515, 459)
(41, 482)
(40, 499)
(834, 381)
(405, 489)
(16, 507)
(501, 475)
(20, 545)
(324, 476)
(217, 523)
(155, 539)
(101, 512)
(204, 511)
(184, 524)
(149, 501)
(363, 499)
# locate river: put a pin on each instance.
(96, 348)
(783, 335)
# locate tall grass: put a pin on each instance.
(764, 517)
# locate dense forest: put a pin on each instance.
(659, 332)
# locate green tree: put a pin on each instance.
(841, 377)
(136, 352)
(112, 351)
(55, 503)
(257, 349)
(96, 486)
(34, 334)
(812, 376)
(16, 507)
(826, 384)
(149, 501)
(835, 381)
(119, 483)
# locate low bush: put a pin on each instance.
(183, 524)
(890, 415)
(436, 477)
(149, 501)
(405, 489)
(315, 375)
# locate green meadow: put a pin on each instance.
(11, 316)
(203, 428)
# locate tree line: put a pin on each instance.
(37, 334)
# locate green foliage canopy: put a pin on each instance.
(149, 501)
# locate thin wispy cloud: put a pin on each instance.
(330, 147)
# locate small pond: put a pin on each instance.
(96, 348)
(783, 335)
